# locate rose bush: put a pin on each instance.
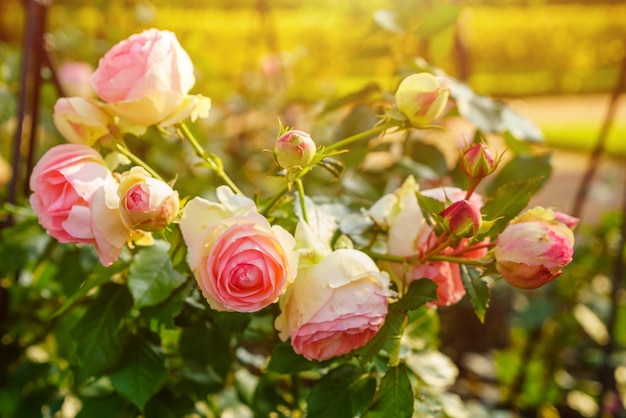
(208, 298)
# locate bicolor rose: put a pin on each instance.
(409, 235)
(75, 198)
(80, 120)
(240, 261)
(334, 306)
(535, 246)
(422, 98)
(145, 78)
(146, 203)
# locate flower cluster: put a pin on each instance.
(332, 298)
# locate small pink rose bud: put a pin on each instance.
(294, 149)
(80, 120)
(146, 203)
(461, 218)
(477, 161)
(533, 249)
(422, 98)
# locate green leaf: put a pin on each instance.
(285, 360)
(162, 315)
(206, 354)
(395, 396)
(166, 405)
(141, 373)
(343, 392)
(523, 167)
(419, 293)
(268, 399)
(508, 201)
(100, 275)
(111, 406)
(438, 19)
(430, 156)
(152, 278)
(477, 290)
(387, 337)
(99, 336)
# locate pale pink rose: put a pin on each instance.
(75, 199)
(447, 275)
(334, 306)
(146, 203)
(533, 249)
(240, 261)
(80, 120)
(74, 78)
(145, 77)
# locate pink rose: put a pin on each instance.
(334, 306)
(146, 203)
(240, 261)
(75, 199)
(145, 77)
(80, 120)
(533, 249)
(74, 78)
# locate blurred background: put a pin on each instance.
(556, 62)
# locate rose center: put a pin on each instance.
(138, 199)
(246, 276)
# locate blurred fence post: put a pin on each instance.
(28, 98)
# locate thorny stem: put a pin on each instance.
(214, 162)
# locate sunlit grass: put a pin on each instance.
(583, 135)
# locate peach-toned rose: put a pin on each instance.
(535, 246)
(145, 77)
(240, 261)
(146, 203)
(75, 198)
(334, 306)
(81, 121)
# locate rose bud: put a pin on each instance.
(294, 149)
(422, 98)
(80, 120)
(146, 203)
(461, 218)
(477, 161)
(533, 249)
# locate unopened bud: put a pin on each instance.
(294, 149)
(146, 203)
(477, 161)
(461, 218)
(422, 98)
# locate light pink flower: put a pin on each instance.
(334, 306)
(74, 78)
(75, 199)
(80, 120)
(294, 149)
(533, 249)
(146, 203)
(240, 261)
(144, 78)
